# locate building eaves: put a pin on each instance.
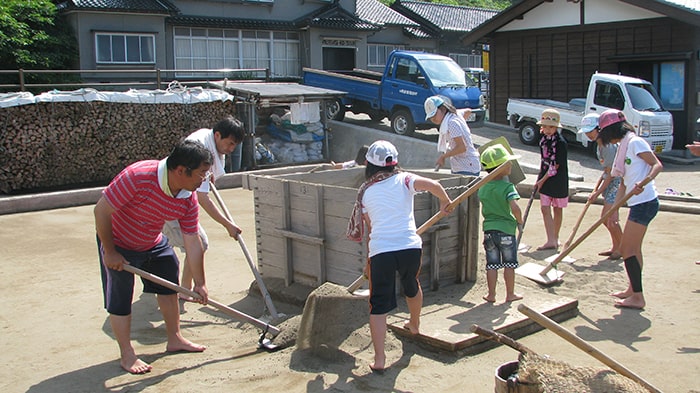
(687, 11)
(417, 33)
(444, 17)
(515, 11)
(335, 17)
(135, 6)
(231, 23)
(375, 12)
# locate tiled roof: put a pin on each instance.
(417, 32)
(376, 12)
(160, 6)
(337, 18)
(234, 23)
(444, 17)
(691, 5)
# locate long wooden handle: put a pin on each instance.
(586, 347)
(471, 189)
(248, 257)
(501, 338)
(222, 307)
(583, 213)
(593, 227)
(527, 213)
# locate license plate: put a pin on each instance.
(472, 117)
(658, 149)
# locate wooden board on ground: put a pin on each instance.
(445, 326)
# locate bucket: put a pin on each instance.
(503, 385)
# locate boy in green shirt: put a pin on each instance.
(502, 215)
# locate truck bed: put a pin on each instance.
(360, 84)
(575, 105)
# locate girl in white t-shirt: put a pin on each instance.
(385, 205)
(635, 163)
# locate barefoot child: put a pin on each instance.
(385, 204)
(634, 162)
(502, 216)
(608, 187)
(553, 179)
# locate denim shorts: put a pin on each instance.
(610, 191)
(643, 213)
(501, 250)
(467, 173)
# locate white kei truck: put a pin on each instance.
(637, 98)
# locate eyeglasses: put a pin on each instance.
(205, 176)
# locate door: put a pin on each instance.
(338, 59)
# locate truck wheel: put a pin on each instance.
(335, 110)
(402, 122)
(529, 133)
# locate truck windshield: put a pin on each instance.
(643, 97)
(444, 73)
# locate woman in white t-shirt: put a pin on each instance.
(385, 204)
(635, 163)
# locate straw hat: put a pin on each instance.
(550, 117)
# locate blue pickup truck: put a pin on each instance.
(400, 91)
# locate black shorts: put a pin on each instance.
(382, 282)
(118, 286)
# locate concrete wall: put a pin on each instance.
(346, 140)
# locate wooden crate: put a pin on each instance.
(301, 220)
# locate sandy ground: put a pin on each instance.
(56, 336)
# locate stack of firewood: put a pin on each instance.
(60, 145)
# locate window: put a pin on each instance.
(377, 54)
(112, 48)
(466, 61)
(201, 48)
(609, 96)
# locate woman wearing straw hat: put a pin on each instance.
(635, 163)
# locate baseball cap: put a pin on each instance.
(610, 117)
(496, 155)
(382, 153)
(431, 105)
(550, 117)
(589, 123)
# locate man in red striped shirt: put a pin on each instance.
(129, 217)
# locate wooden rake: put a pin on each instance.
(546, 275)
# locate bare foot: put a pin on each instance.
(622, 294)
(547, 246)
(615, 256)
(185, 298)
(135, 365)
(490, 299)
(636, 302)
(184, 346)
(605, 253)
(514, 297)
(410, 328)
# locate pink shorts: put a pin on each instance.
(546, 200)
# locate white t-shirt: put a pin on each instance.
(205, 136)
(636, 169)
(389, 204)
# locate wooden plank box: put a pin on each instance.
(301, 219)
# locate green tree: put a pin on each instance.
(33, 36)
